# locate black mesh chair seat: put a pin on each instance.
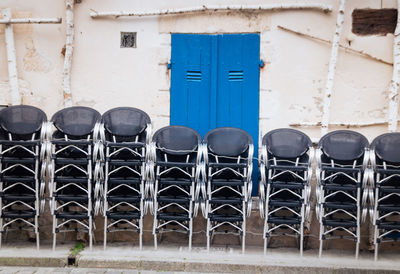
(286, 143)
(339, 205)
(128, 215)
(389, 207)
(388, 189)
(176, 164)
(17, 197)
(76, 121)
(125, 121)
(222, 182)
(9, 160)
(66, 161)
(66, 179)
(340, 223)
(124, 180)
(71, 197)
(343, 145)
(125, 144)
(341, 169)
(225, 218)
(344, 187)
(72, 215)
(15, 179)
(27, 143)
(124, 198)
(19, 214)
(300, 167)
(173, 199)
(287, 185)
(120, 162)
(175, 181)
(388, 225)
(387, 147)
(176, 140)
(173, 217)
(284, 220)
(388, 171)
(22, 120)
(226, 200)
(227, 141)
(288, 203)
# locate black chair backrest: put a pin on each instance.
(125, 121)
(177, 140)
(228, 141)
(387, 147)
(22, 120)
(286, 143)
(343, 145)
(76, 121)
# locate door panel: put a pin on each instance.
(215, 82)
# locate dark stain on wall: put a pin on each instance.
(374, 21)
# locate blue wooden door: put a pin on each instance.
(215, 82)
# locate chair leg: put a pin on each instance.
(90, 233)
(54, 232)
(105, 233)
(301, 238)
(37, 232)
(208, 235)
(141, 233)
(357, 248)
(190, 233)
(1, 232)
(265, 246)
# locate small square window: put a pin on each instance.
(128, 39)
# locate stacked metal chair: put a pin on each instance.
(384, 188)
(22, 168)
(72, 180)
(285, 183)
(127, 133)
(177, 160)
(342, 158)
(228, 154)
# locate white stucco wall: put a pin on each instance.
(291, 84)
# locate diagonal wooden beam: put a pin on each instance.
(204, 8)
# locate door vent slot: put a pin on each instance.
(193, 75)
(235, 75)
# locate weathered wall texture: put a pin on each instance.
(291, 83)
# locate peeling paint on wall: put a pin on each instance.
(34, 61)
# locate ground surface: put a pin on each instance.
(125, 258)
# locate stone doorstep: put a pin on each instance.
(219, 259)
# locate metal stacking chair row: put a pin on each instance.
(228, 158)
(73, 176)
(177, 164)
(22, 169)
(384, 188)
(125, 133)
(214, 174)
(285, 183)
(114, 166)
(342, 159)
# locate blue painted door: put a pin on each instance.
(215, 82)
